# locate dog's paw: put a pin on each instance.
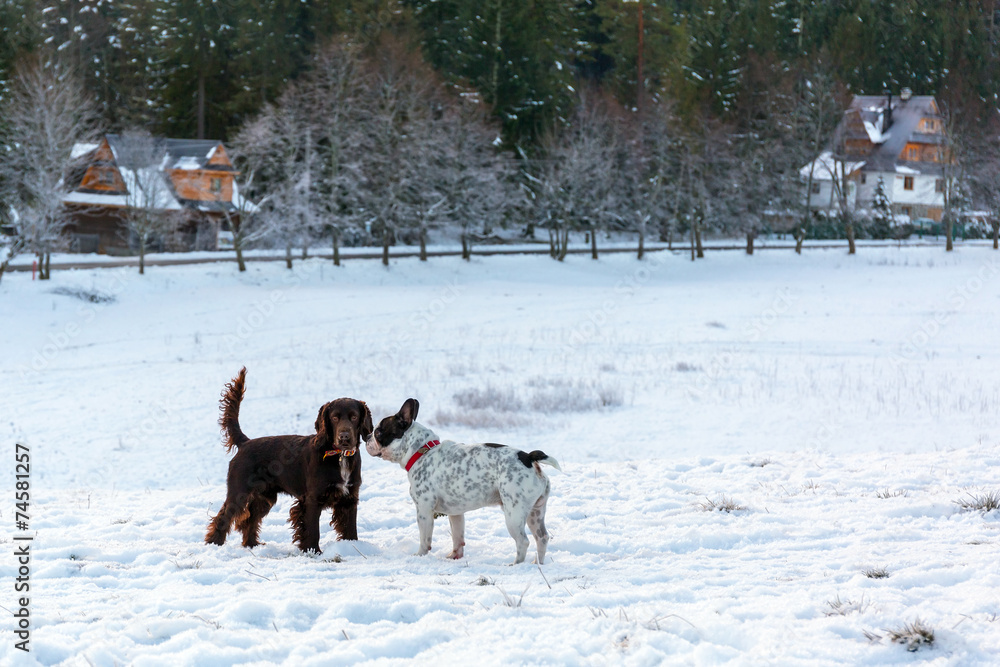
(457, 554)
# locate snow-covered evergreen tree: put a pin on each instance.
(881, 213)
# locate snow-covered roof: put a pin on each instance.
(79, 150)
(825, 166)
(240, 203)
(151, 187)
(903, 118)
(874, 133)
(191, 153)
(147, 188)
(889, 126)
(95, 199)
(186, 162)
(150, 184)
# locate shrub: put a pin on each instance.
(723, 504)
(913, 635)
(840, 607)
(985, 502)
(488, 398)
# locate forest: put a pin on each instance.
(363, 121)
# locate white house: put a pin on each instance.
(901, 141)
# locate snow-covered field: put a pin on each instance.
(844, 403)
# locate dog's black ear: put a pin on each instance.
(366, 422)
(408, 412)
(324, 429)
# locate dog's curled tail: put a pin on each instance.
(539, 456)
(229, 421)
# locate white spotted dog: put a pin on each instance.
(451, 478)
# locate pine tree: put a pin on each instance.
(195, 56)
(664, 51)
(517, 55)
(19, 34)
(881, 213)
(266, 54)
(712, 76)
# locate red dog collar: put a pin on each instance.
(428, 446)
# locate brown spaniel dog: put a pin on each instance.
(321, 471)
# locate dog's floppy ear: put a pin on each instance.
(324, 429)
(408, 412)
(366, 422)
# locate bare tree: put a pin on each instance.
(701, 180)
(335, 91)
(424, 157)
(151, 211)
(279, 147)
(373, 140)
(574, 179)
(404, 96)
(967, 156)
(658, 188)
(11, 243)
(814, 118)
(476, 179)
(46, 113)
(242, 216)
(841, 166)
(983, 175)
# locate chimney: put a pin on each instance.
(887, 116)
(905, 94)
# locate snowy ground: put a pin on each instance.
(846, 403)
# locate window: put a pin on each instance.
(216, 185)
(908, 183)
(939, 185)
(911, 153)
(864, 178)
(905, 210)
(815, 188)
(106, 177)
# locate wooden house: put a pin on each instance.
(198, 191)
(898, 140)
